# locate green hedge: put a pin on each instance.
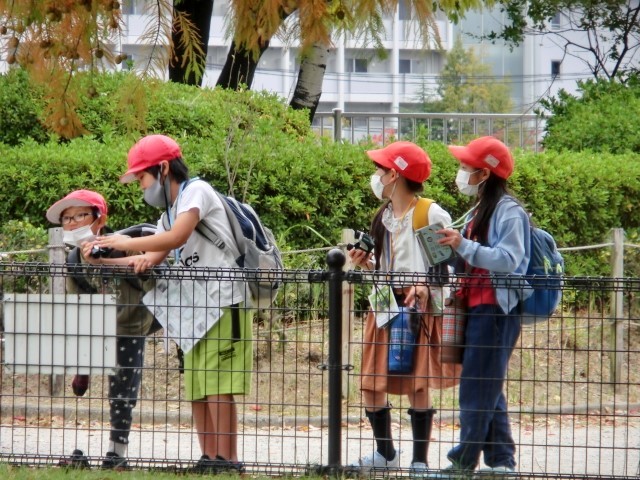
(308, 185)
(20, 110)
(307, 189)
(603, 117)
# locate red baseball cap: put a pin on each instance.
(406, 158)
(486, 152)
(78, 198)
(150, 151)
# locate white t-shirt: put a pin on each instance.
(200, 252)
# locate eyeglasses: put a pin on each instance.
(77, 218)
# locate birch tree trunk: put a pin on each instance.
(310, 77)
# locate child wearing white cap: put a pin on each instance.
(83, 216)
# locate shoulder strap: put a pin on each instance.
(421, 213)
(78, 272)
(208, 232)
(203, 228)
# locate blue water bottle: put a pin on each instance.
(402, 342)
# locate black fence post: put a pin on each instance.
(335, 261)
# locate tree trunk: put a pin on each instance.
(310, 76)
(200, 12)
(240, 67)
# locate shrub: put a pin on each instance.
(19, 110)
(17, 236)
(579, 197)
(602, 119)
(22, 235)
(307, 189)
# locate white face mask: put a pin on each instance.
(376, 186)
(78, 236)
(156, 194)
(462, 182)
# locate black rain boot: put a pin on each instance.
(381, 424)
(421, 423)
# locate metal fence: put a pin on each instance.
(515, 130)
(571, 417)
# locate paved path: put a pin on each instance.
(564, 445)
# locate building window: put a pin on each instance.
(404, 66)
(355, 65)
(127, 7)
(133, 7)
(404, 10)
(556, 21)
(555, 68)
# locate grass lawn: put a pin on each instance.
(8, 472)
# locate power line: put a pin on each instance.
(419, 79)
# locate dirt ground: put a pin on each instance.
(556, 365)
(561, 401)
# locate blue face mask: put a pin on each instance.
(157, 195)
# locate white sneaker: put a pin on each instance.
(490, 472)
(418, 470)
(366, 464)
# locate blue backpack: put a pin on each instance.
(544, 274)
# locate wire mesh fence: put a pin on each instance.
(515, 130)
(572, 386)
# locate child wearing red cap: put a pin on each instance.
(218, 352)
(493, 245)
(401, 169)
(83, 216)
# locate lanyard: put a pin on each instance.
(176, 252)
(462, 221)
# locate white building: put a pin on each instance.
(357, 81)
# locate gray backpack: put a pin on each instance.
(259, 257)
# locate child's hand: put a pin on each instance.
(360, 258)
(116, 242)
(86, 248)
(451, 237)
(418, 296)
(140, 263)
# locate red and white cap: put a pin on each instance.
(406, 158)
(150, 151)
(77, 198)
(486, 152)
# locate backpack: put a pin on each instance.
(257, 247)
(421, 213)
(544, 274)
(438, 274)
